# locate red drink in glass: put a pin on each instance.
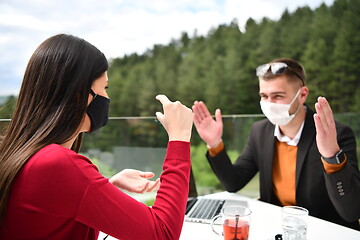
(233, 231)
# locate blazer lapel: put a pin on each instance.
(268, 159)
(307, 136)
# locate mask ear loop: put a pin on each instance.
(297, 94)
(92, 93)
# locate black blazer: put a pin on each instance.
(333, 197)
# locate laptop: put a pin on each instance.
(203, 209)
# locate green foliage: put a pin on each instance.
(149, 202)
(201, 168)
(104, 169)
(219, 68)
(6, 110)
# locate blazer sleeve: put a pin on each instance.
(234, 177)
(344, 186)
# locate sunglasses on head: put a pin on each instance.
(276, 68)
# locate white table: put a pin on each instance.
(265, 224)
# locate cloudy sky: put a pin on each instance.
(117, 27)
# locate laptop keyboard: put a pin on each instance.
(207, 208)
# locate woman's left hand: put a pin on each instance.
(135, 181)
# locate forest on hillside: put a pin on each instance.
(219, 68)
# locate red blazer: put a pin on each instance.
(61, 195)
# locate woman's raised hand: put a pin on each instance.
(177, 119)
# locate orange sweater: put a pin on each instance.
(284, 170)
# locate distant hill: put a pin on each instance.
(3, 99)
(219, 68)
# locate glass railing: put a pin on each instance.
(140, 143)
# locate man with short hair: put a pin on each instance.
(303, 158)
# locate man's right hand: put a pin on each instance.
(210, 130)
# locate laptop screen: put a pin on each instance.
(192, 185)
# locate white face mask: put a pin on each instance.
(277, 113)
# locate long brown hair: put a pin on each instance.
(51, 104)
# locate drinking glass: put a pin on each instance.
(235, 221)
(294, 222)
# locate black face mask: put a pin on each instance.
(98, 111)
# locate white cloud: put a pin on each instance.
(116, 27)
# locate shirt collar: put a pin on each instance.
(286, 139)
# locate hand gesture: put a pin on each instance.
(177, 119)
(210, 130)
(325, 129)
(135, 181)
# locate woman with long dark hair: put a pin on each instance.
(48, 190)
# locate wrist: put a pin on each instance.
(330, 150)
(338, 158)
(217, 150)
(183, 136)
(180, 138)
(214, 144)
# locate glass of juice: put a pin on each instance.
(235, 221)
